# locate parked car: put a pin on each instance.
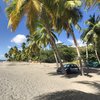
(69, 69)
(93, 64)
(98, 66)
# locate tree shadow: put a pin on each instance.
(92, 70)
(54, 74)
(11, 64)
(71, 75)
(95, 84)
(98, 73)
(63, 75)
(88, 75)
(68, 95)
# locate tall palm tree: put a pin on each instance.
(58, 11)
(64, 15)
(91, 34)
(42, 38)
(47, 24)
(18, 9)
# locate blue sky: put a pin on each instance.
(9, 39)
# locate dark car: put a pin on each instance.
(93, 64)
(69, 69)
(98, 66)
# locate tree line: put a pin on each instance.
(27, 54)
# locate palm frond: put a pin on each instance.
(14, 19)
(72, 4)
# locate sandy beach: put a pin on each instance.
(35, 81)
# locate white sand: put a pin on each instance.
(29, 81)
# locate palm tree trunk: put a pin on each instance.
(87, 57)
(78, 53)
(54, 47)
(96, 53)
(56, 60)
(56, 52)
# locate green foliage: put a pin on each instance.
(91, 53)
(67, 54)
(91, 3)
(47, 56)
(92, 33)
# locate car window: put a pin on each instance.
(67, 65)
(74, 66)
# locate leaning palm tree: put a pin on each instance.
(42, 38)
(31, 8)
(48, 25)
(91, 34)
(64, 15)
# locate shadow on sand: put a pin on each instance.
(95, 84)
(91, 70)
(11, 64)
(63, 75)
(54, 73)
(68, 95)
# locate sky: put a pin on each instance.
(9, 39)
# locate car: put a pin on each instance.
(93, 64)
(69, 69)
(98, 66)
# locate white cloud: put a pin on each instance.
(9, 47)
(19, 39)
(80, 42)
(57, 42)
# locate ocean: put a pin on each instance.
(2, 60)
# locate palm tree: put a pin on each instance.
(6, 55)
(34, 46)
(47, 25)
(90, 3)
(91, 34)
(15, 53)
(42, 38)
(56, 11)
(17, 9)
(11, 54)
(64, 15)
(67, 24)
(24, 52)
